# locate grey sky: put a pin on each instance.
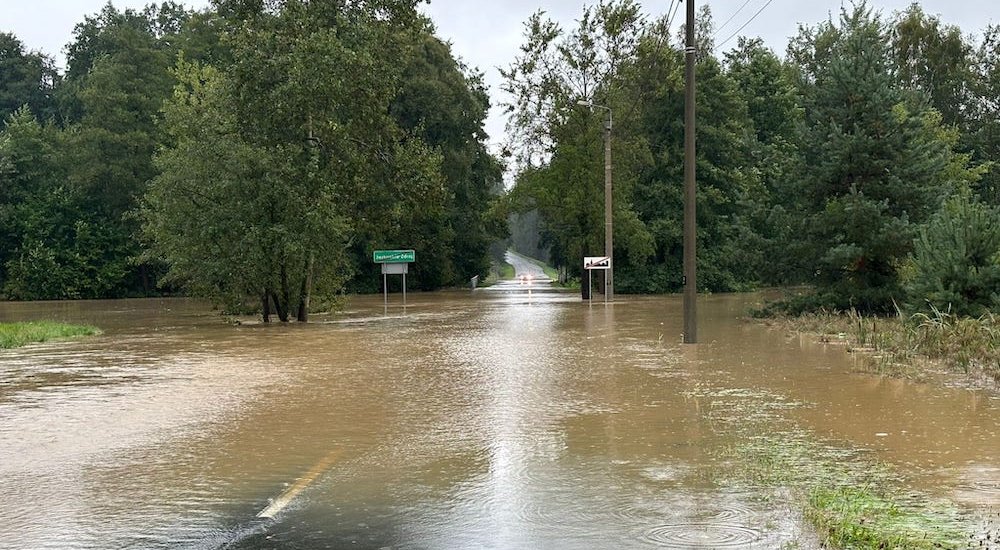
(486, 34)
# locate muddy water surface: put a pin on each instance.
(510, 417)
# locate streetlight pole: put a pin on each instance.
(609, 285)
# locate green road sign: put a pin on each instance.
(394, 256)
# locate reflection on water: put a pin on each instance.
(509, 417)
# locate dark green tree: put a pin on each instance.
(877, 162)
(26, 78)
(935, 60)
(984, 132)
(445, 106)
(767, 86)
(53, 244)
(119, 76)
(956, 261)
(728, 244)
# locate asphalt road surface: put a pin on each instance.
(525, 268)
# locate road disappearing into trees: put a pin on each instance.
(526, 269)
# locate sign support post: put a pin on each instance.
(394, 262)
(590, 287)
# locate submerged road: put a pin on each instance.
(508, 417)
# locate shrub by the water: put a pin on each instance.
(956, 261)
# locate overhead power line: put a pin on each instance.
(674, 9)
(723, 43)
(731, 17)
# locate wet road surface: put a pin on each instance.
(510, 417)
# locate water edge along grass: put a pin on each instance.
(13, 335)
(850, 499)
(846, 495)
(910, 345)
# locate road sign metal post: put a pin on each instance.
(394, 262)
(590, 288)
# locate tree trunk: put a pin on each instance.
(286, 295)
(281, 309)
(303, 316)
(265, 303)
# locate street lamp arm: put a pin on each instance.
(592, 105)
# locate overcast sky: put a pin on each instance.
(487, 33)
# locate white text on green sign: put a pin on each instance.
(394, 256)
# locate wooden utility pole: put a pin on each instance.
(690, 188)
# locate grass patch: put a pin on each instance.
(910, 345)
(499, 271)
(13, 335)
(849, 497)
(506, 271)
(851, 500)
(860, 517)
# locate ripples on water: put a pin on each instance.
(512, 417)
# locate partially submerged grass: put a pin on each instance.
(14, 335)
(862, 517)
(851, 500)
(911, 345)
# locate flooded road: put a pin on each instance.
(509, 417)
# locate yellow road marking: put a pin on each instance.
(286, 497)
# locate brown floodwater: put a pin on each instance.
(509, 417)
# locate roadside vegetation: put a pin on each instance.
(852, 501)
(506, 271)
(861, 162)
(918, 345)
(166, 135)
(13, 335)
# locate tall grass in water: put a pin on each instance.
(14, 335)
(964, 342)
(862, 517)
(961, 343)
(902, 342)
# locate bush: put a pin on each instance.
(956, 261)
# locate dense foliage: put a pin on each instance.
(822, 168)
(254, 153)
(956, 264)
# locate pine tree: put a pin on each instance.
(956, 264)
(877, 163)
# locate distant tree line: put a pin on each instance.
(863, 163)
(255, 153)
